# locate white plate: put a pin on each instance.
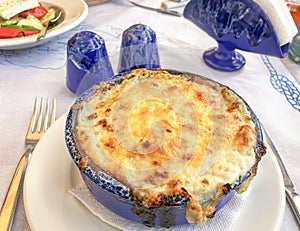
(75, 12)
(51, 174)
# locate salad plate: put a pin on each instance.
(51, 174)
(75, 11)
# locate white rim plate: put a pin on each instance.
(51, 174)
(75, 12)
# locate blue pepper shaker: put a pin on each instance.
(138, 49)
(87, 62)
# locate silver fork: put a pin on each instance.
(41, 119)
(291, 194)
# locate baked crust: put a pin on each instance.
(168, 136)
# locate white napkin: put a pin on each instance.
(278, 12)
(223, 220)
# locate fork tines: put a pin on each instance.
(42, 118)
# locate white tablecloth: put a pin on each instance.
(40, 71)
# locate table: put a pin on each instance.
(40, 71)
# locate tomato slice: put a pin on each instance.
(37, 12)
(9, 32)
(27, 33)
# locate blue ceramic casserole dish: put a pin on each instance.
(117, 196)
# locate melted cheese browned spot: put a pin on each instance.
(164, 135)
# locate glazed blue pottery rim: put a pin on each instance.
(116, 196)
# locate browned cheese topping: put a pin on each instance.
(163, 134)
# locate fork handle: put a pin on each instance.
(10, 202)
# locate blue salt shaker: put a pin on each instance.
(87, 62)
(138, 49)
